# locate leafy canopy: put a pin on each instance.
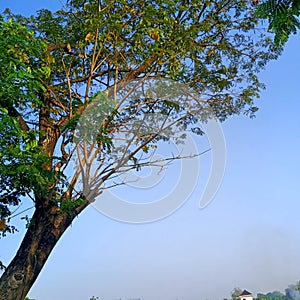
(283, 17)
(55, 65)
(20, 155)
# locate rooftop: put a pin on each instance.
(245, 293)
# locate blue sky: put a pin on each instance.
(248, 237)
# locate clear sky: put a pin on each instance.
(247, 237)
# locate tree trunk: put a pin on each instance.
(46, 227)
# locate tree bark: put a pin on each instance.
(46, 227)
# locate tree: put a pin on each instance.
(297, 286)
(271, 295)
(235, 294)
(283, 17)
(62, 72)
(292, 292)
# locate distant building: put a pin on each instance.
(245, 295)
